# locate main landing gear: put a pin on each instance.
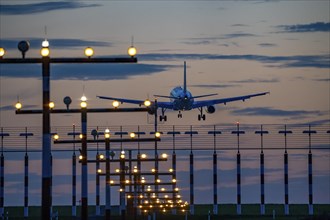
(201, 115)
(180, 114)
(163, 116)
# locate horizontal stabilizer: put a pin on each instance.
(165, 96)
(201, 96)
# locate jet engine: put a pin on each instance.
(152, 109)
(210, 109)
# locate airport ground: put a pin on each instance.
(226, 211)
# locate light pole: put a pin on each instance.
(286, 171)
(215, 173)
(107, 175)
(2, 171)
(238, 132)
(262, 171)
(191, 171)
(45, 60)
(26, 174)
(84, 174)
(173, 133)
(310, 170)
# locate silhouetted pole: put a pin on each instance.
(2, 176)
(191, 168)
(51, 184)
(262, 172)
(238, 165)
(135, 194)
(46, 202)
(286, 171)
(26, 175)
(173, 165)
(215, 171)
(122, 186)
(156, 149)
(84, 170)
(310, 171)
(95, 134)
(107, 177)
(74, 172)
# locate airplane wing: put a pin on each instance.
(198, 104)
(132, 101)
(167, 105)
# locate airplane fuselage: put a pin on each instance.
(182, 100)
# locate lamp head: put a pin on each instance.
(18, 106)
(2, 52)
(115, 104)
(147, 103)
(132, 51)
(51, 105)
(45, 52)
(67, 101)
(45, 43)
(56, 137)
(94, 133)
(23, 46)
(89, 52)
(107, 133)
(132, 135)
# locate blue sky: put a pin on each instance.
(231, 47)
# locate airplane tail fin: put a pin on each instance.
(184, 79)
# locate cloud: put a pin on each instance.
(313, 61)
(55, 43)
(24, 9)
(320, 122)
(274, 80)
(311, 27)
(239, 25)
(322, 80)
(268, 111)
(211, 40)
(212, 86)
(201, 40)
(237, 35)
(267, 45)
(85, 71)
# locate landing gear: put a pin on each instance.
(163, 116)
(180, 114)
(201, 115)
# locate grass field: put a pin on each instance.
(226, 211)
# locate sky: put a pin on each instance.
(231, 48)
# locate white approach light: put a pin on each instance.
(132, 51)
(2, 52)
(115, 104)
(45, 52)
(147, 103)
(89, 52)
(45, 43)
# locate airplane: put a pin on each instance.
(181, 99)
